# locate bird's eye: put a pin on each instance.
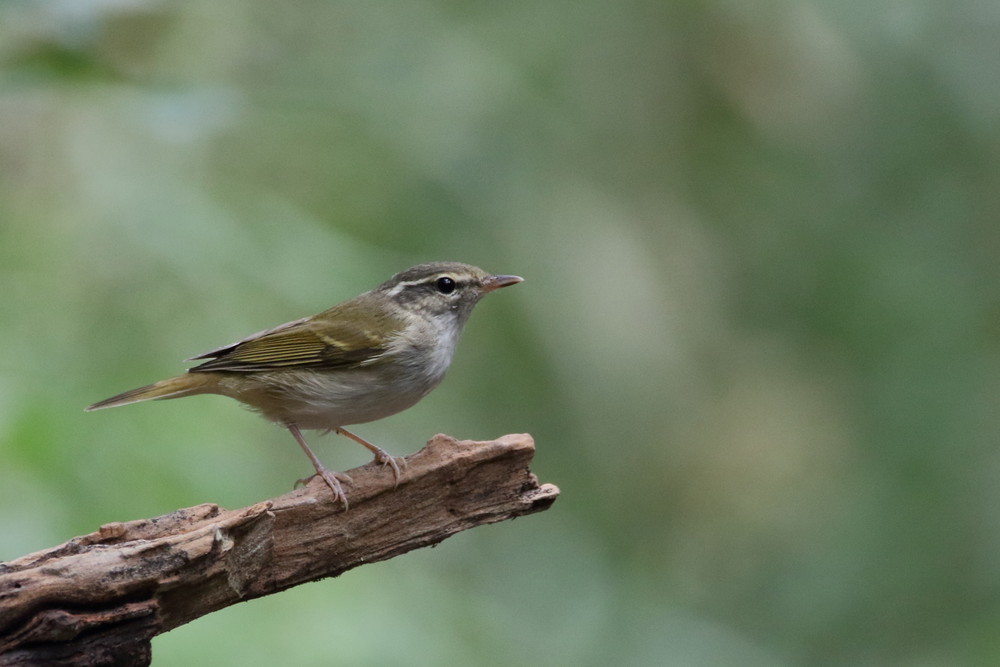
(445, 285)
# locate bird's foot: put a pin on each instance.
(330, 477)
(384, 458)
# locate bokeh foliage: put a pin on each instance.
(757, 345)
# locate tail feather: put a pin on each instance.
(182, 385)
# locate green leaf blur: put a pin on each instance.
(758, 344)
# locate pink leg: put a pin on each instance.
(381, 456)
(326, 475)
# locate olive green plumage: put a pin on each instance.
(361, 360)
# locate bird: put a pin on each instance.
(359, 361)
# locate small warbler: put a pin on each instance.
(361, 360)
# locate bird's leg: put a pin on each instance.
(381, 456)
(326, 475)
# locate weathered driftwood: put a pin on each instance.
(99, 599)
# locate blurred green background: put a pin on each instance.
(758, 345)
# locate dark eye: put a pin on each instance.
(445, 285)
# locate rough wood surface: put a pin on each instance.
(99, 599)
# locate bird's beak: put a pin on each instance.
(491, 283)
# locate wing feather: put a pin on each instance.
(297, 344)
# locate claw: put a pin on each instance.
(340, 476)
(329, 477)
(382, 457)
(331, 481)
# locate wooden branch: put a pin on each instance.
(99, 599)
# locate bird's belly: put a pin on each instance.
(318, 399)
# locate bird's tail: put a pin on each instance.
(188, 384)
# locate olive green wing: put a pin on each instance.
(304, 343)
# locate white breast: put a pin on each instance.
(411, 367)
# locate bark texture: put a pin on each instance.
(99, 599)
